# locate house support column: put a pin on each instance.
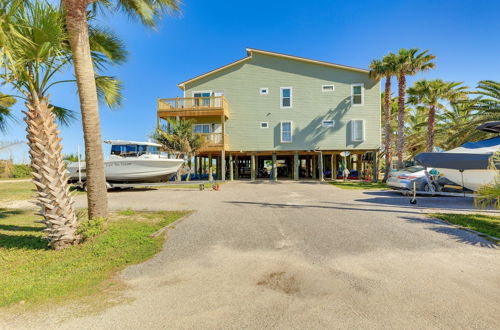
(375, 166)
(320, 158)
(210, 176)
(334, 167)
(223, 165)
(296, 166)
(308, 167)
(252, 167)
(195, 165)
(275, 168)
(236, 168)
(313, 167)
(231, 168)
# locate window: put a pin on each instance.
(357, 94)
(264, 124)
(203, 128)
(328, 123)
(327, 88)
(358, 130)
(202, 98)
(286, 97)
(264, 91)
(286, 131)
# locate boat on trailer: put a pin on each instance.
(131, 162)
(470, 165)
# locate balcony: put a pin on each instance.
(193, 107)
(214, 142)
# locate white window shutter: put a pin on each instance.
(358, 130)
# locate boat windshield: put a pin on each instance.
(134, 150)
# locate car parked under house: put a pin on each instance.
(287, 116)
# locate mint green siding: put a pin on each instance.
(241, 86)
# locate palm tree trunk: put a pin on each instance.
(387, 127)
(76, 22)
(49, 175)
(401, 118)
(430, 128)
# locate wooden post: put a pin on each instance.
(210, 177)
(223, 165)
(275, 167)
(320, 158)
(358, 164)
(375, 166)
(252, 167)
(236, 168)
(308, 166)
(231, 168)
(296, 166)
(195, 165)
(334, 166)
(313, 167)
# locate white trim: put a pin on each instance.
(264, 122)
(362, 95)
(328, 120)
(353, 131)
(281, 97)
(183, 84)
(281, 131)
(250, 51)
(262, 89)
(328, 90)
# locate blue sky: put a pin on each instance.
(464, 35)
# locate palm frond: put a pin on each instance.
(109, 90)
(64, 116)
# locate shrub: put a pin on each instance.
(21, 171)
(91, 228)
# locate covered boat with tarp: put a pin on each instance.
(471, 165)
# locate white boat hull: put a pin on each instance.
(472, 179)
(132, 169)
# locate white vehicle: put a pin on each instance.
(470, 164)
(403, 179)
(131, 161)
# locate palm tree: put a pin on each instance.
(379, 69)
(408, 62)
(76, 16)
(179, 139)
(6, 102)
(431, 94)
(34, 47)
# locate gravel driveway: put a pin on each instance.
(300, 255)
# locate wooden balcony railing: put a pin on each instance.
(193, 106)
(214, 141)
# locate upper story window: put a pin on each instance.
(286, 97)
(264, 91)
(327, 88)
(357, 91)
(202, 128)
(328, 123)
(286, 131)
(202, 98)
(357, 130)
(264, 124)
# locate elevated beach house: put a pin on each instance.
(271, 115)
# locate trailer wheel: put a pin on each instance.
(430, 188)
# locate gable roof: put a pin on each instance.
(251, 51)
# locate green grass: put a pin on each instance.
(13, 191)
(359, 185)
(486, 224)
(32, 273)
